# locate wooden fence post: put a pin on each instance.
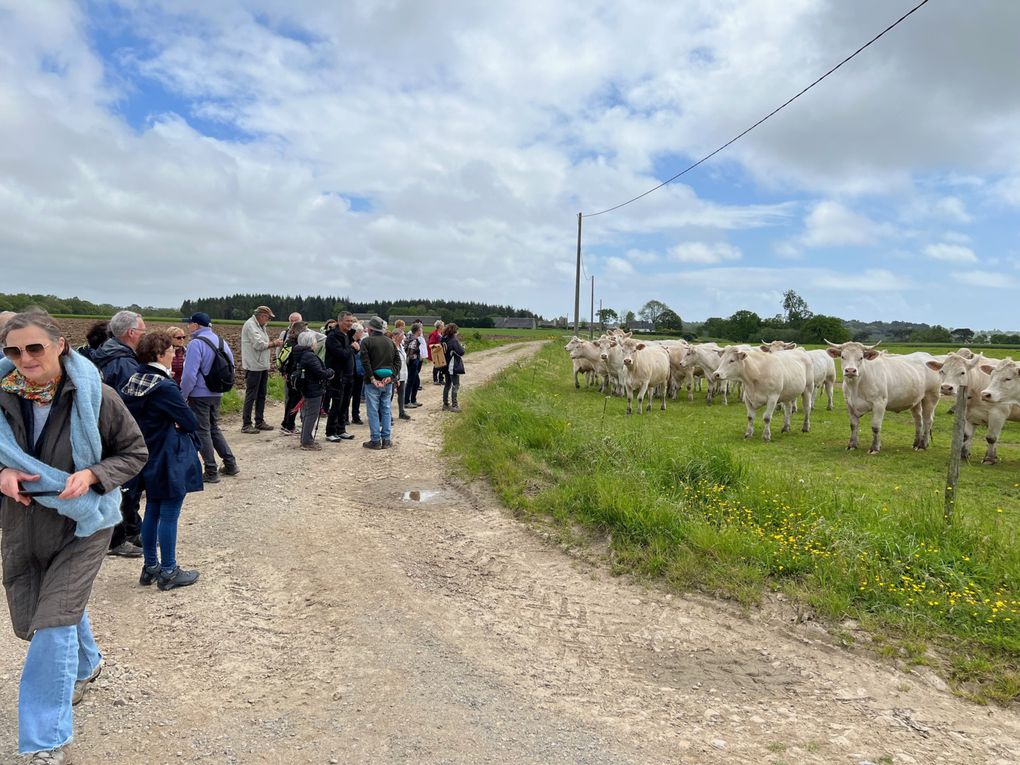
(955, 454)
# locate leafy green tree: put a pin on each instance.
(629, 319)
(652, 310)
(962, 335)
(796, 309)
(716, 326)
(745, 326)
(820, 328)
(936, 334)
(669, 321)
(608, 316)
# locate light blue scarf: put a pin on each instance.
(92, 511)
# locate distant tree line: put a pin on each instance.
(53, 304)
(317, 308)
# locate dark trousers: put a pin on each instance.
(438, 374)
(207, 411)
(255, 384)
(309, 418)
(131, 522)
(451, 389)
(398, 389)
(292, 399)
(336, 422)
(356, 383)
(413, 381)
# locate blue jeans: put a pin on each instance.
(377, 404)
(57, 657)
(160, 523)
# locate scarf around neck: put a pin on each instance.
(20, 385)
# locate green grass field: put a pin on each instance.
(682, 496)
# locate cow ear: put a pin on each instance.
(718, 351)
(639, 346)
(790, 346)
(871, 354)
(987, 368)
(741, 355)
(766, 348)
(936, 365)
(834, 352)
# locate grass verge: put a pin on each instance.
(682, 497)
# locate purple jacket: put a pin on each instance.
(198, 362)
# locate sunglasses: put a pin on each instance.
(178, 337)
(13, 352)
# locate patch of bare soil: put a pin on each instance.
(337, 621)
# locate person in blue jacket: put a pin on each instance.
(173, 469)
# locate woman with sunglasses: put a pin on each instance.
(67, 443)
(178, 336)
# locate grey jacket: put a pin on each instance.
(254, 347)
(47, 570)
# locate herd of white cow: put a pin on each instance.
(780, 373)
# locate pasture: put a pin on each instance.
(856, 540)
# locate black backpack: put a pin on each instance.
(220, 377)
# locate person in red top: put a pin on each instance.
(178, 335)
(436, 337)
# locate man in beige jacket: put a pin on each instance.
(255, 349)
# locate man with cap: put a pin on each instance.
(204, 402)
(255, 347)
(381, 361)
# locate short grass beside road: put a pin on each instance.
(682, 496)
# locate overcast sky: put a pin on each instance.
(387, 149)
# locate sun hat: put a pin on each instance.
(267, 310)
(377, 323)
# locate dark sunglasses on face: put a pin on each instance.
(178, 337)
(13, 352)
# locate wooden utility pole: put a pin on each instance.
(577, 282)
(955, 454)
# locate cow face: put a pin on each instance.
(852, 356)
(1004, 387)
(776, 345)
(730, 365)
(952, 372)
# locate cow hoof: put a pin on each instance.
(828, 409)
(872, 451)
(805, 429)
(987, 461)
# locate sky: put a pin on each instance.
(153, 151)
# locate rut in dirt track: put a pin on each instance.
(337, 622)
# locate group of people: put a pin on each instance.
(76, 456)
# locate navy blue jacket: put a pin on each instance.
(339, 354)
(116, 362)
(312, 374)
(167, 423)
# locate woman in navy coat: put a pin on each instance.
(173, 469)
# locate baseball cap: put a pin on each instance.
(200, 318)
(265, 309)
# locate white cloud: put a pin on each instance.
(619, 266)
(992, 279)
(642, 256)
(703, 252)
(872, 280)
(831, 224)
(952, 253)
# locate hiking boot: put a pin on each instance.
(285, 431)
(372, 444)
(229, 469)
(176, 578)
(357, 421)
(412, 404)
(149, 575)
(249, 429)
(80, 685)
(345, 436)
(61, 756)
(211, 476)
(387, 443)
(333, 439)
(446, 407)
(126, 550)
(405, 417)
(454, 408)
(264, 426)
(314, 446)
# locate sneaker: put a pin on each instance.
(80, 685)
(446, 407)
(211, 476)
(149, 575)
(437, 382)
(372, 444)
(229, 469)
(176, 578)
(413, 405)
(61, 756)
(405, 417)
(357, 421)
(333, 439)
(249, 429)
(126, 550)
(314, 446)
(287, 431)
(387, 443)
(264, 426)
(454, 408)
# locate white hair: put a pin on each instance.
(122, 322)
(308, 338)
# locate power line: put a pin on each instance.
(767, 116)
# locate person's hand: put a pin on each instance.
(355, 345)
(77, 484)
(9, 484)
(381, 383)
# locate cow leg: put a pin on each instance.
(630, 399)
(806, 427)
(787, 407)
(877, 415)
(770, 407)
(968, 439)
(855, 425)
(751, 412)
(725, 394)
(576, 383)
(917, 413)
(829, 386)
(663, 407)
(641, 398)
(996, 420)
(927, 418)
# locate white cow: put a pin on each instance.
(822, 364)
(768, 379)
(647, 368)
(1004, 384)
(585, 356)
(966, 369)
(611, 354)
(877, 382)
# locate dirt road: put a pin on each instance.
(337, 622)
